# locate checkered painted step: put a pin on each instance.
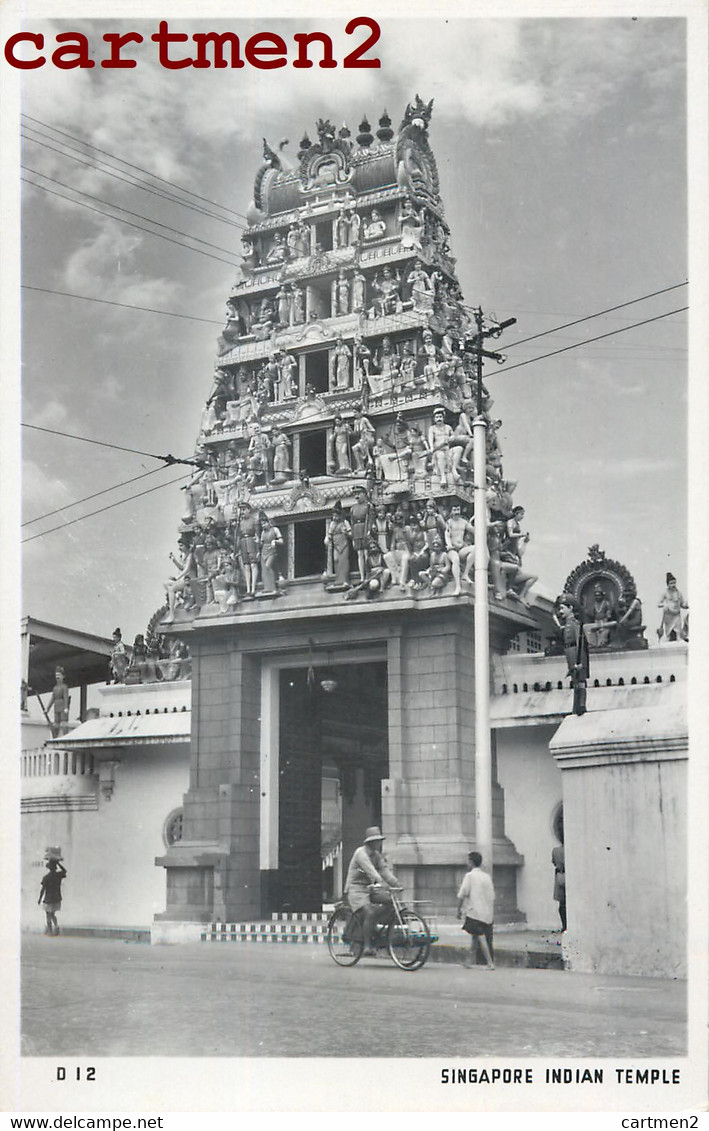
(281, 930)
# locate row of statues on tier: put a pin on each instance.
(404, 545)
(154, 661)
(410, 367)
(610, 623)
(421, 549)
(351, 292)
(223, 565)
(404, 455)
(417, 229)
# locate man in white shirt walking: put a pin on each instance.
(476, 901)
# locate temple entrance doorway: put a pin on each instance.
(332, 754)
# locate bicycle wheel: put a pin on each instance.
(409, 942)
(345, 938)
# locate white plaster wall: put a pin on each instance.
(109, 853)
(528, 774)
(626, 854)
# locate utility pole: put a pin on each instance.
(483, 752)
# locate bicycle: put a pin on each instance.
(402, 931)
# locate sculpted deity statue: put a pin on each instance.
(257, 456)
(460, 538)
(284, 299)
(439, 569)
(361, 523)
(363, 430)
(342, 228)
(440, 436)
(375, 227)
(118, 662)
(262, 325)
(179, 586)
(278, 251)
(422, 289)
(343, 365)
(388, 287)
(271, 543)
(359, 291)
(338, 540)
(248, 546)
(281, 456)
(671, 602)
(288, 366)
(411, 224)
(342, 293)
(298, 305)
(340, 458)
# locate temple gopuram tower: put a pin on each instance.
(322, 583)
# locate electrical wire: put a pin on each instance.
(102, 509)
(124, 305)
(87, 498)
(598, 314)
(134, 183)
(127, 211)
(168, 459)
(130, 223)
(139, 168)
(577, 345)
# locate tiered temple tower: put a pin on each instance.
(327, 540)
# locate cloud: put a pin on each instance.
(103, 264)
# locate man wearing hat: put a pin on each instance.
(575, 648)
(369, 866)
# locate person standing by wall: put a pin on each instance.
(50, 893)
(557, 859)
(476, 901)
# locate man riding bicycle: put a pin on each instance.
(369, 866)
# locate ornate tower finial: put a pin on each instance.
(419, 114)
(385, 132)
(365, 136)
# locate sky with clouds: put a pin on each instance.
(561, 146)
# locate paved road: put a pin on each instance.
(112, 998)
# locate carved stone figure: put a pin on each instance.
(284, 299)
(598, 631)
(298, 307)
(361, 524)
(440, 436)
(281, 456)
(422, 292)
(359, 291)
(342, 292)
(375, 227)
(388, 286)
(630, 621)
(438, 572)
(343, 367)
(375, 577)
(420, 453)
(180, 585)
(257, 457)
(412, 226)
(288, 385)
(262, 326)
(364, 433)
(460, 539)
(671, 602)
(249, 546)
(397, 558)
(271, 543)
(342, 228)
(59, 703)
(338, 540)
(118, 662)
(278, 252)
(340, 458)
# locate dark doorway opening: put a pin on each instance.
(313, 452)
(317, 373)
(309, 557)
(333, 755)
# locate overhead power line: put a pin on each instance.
(124, 305)
(95, 495)
(96, 163)
(101, 510)
(139, 168)
(127, 211)
(598, 314)
(577, 345)
(130, 223)
(168, 459)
